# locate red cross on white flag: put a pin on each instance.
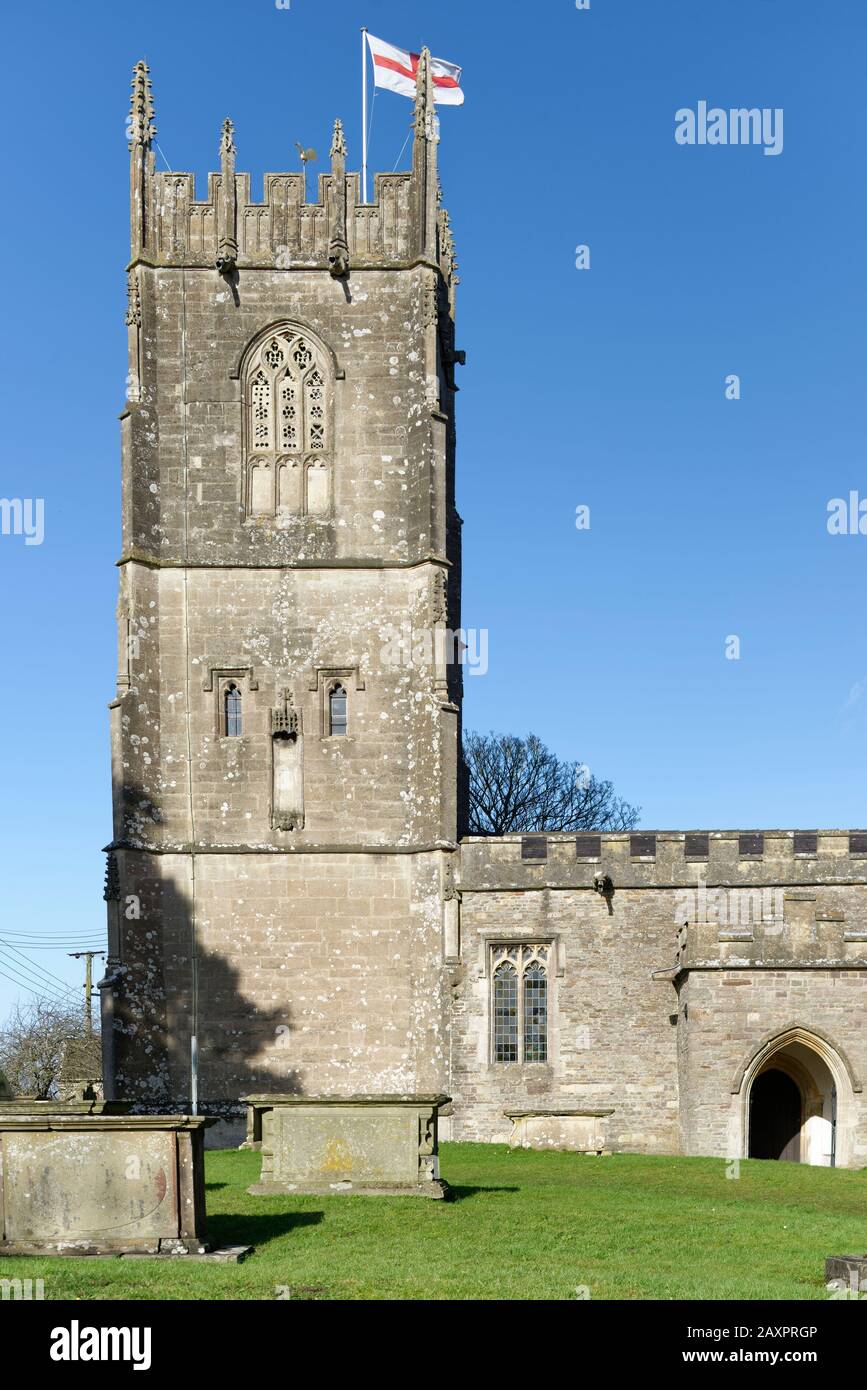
(396, 69)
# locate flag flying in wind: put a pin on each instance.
(396, 69)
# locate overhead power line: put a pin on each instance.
(19, 984)
(53, 995)
(49, 936)
(49, 974)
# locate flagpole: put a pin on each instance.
(364, 115)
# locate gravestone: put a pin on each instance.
(369, 1145)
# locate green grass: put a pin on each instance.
(522, 1226)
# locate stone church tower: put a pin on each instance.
(286, 731)
(290, 906)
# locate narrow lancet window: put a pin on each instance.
(535, 1013)
(232, 720)
(338, 712)
(506, 1013)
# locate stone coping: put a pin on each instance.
(546, 1111)
(275, 1100)
(57, 1120)
(719, 833)
(20, 1104)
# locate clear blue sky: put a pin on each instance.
(602, 387)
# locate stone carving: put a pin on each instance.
(227, 250)
(111, 890)
(338, 250)
(287, 750)
(132, 317)
(439, 599)
(430, 310)
(140, 124)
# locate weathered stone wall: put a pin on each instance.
(660, 993)
(724, 1017)
(311, 970)
(299, 944)
(612, 1042)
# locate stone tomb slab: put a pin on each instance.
(848, 1273)
(78, 1179)
(368, 1145)
(577, 1131)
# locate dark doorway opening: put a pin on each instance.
(776, 1116)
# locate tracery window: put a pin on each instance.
(519, 1003)
(288, 426)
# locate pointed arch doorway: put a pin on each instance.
(795, 1100)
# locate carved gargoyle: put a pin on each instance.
(338, 259)
(604, 885)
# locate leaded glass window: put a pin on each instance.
(505, 1013)
(338, 712)
(519, 1002)
(232, 721)
(535, 1013)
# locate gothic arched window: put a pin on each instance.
(233, 726)
(338, 712)
(288, 425)
(519, 1003)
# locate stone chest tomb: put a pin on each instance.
(365, 1145)
(88, 1178)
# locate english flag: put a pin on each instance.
(396, 69)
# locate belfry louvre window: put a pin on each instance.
(288, 426)
(519, 1003)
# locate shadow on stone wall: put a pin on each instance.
(153, 1028)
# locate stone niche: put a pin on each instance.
(370, 1145)
(87, 1178)
(582, 1131)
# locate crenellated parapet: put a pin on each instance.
(230, 229)
(700, 862)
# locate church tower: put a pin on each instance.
(286, 729)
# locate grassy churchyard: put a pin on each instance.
(522, 1225)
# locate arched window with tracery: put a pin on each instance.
(289, 426)
(519, 1003)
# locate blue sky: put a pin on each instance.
(602, 387)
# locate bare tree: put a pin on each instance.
(32, 1045)
(518, 784)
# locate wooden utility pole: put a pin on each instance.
(88, 986)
